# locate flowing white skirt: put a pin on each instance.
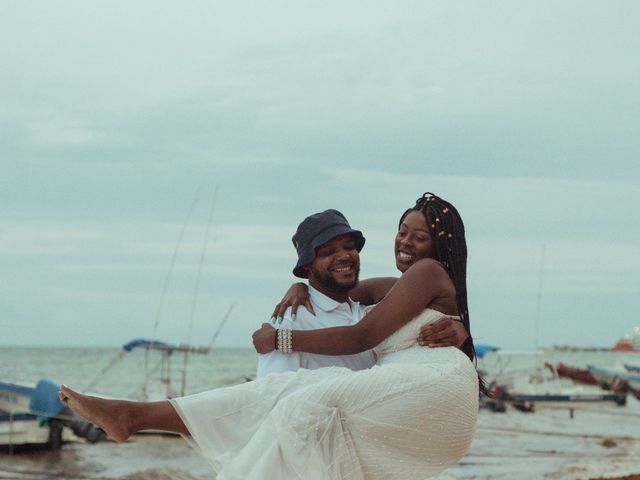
(401, 419)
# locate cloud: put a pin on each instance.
(112, 117)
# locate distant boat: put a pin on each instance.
(629, 343)
(35, 416)
(163, 387)
(483, 349)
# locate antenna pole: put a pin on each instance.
(172, 263)
(539, 299)
(196, 290)
(222, 322)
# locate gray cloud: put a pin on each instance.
(525, 114)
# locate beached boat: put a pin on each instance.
(632, 368)
(577, 374)
(20, 424)
(539, 397)
(528, 402)
(617, 379)
(606, 377)
(34, 415)
(544, 388)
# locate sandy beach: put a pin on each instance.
(598, 443)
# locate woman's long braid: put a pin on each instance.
(447, 231)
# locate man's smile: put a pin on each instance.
(343, 268)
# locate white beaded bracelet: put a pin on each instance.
(288, 341)
(284, 338)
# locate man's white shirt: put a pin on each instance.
(329, 313)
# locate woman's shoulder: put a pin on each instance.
(429, 266)
(432, 271)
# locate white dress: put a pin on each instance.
(409, 417)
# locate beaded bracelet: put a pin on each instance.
(284, 340)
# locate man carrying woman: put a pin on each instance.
(409, 416)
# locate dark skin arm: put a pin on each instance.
(372, 290)
(424, 284)
(366, 292)
(444, 332)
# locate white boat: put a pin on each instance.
(34, 415)
(20, 424)
(544, 388)
(609, 377)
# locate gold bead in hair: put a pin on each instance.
(441, 233)
(445, 210)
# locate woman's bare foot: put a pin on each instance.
(109, 415)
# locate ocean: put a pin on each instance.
(596, 442)
(80, 367)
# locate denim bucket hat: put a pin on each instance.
(316, 230)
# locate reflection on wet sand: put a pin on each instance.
(158, 458)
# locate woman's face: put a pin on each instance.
(413, 241)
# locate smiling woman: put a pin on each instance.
(413, 240)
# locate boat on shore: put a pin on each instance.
(577, 374)
(34, 415)
(632, 368)
(617, 379)
(529, 401)
(546, 388)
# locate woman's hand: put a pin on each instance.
(264, 339)
(445, 332)
(298, 294)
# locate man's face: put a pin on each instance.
(336, 266)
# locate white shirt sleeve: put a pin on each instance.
(276, 361)
(333, 316)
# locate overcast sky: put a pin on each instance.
(116, 117)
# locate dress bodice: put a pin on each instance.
(406, 338)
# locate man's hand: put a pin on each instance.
(445, 332)
(264, 339)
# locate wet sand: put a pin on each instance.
(151, 458)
